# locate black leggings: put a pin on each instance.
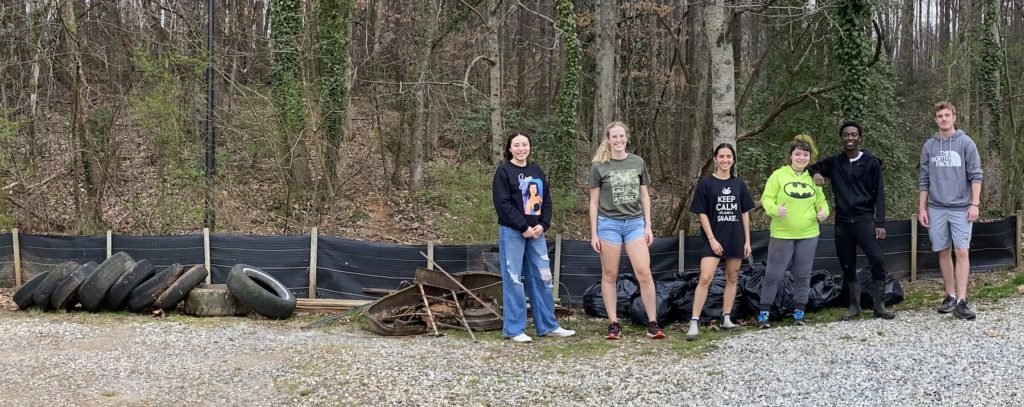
(851, 235)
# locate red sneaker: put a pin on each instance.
(614, 330)
(654, 331)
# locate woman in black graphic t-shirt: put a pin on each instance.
(722, 200)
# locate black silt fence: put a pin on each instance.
(350, 269)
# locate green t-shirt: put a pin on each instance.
(620, 182)
(802, 200)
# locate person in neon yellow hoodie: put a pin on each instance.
(796, 206)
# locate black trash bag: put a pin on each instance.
(893, 289)
(715, 301)
(825, 289)
(664, 293)
(626, 289)
(750, 286)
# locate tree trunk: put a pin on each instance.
(606, 92)
(906, 43)
(494, 55)
(723, 90)
(416, 153)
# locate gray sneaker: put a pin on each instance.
(947, 305)
(962, 311)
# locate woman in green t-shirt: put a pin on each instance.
(620, 215)
(796, 206)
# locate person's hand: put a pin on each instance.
(822, 215)
(528, 234)
(649, 235)
(819, 180)
(746, 250)
(595, 243)
(880, 233)
(922, 217)
(973, 213)
(716, 247)
(538, 231)
(781, 210)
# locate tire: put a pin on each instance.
(42, 296)
(261, 292)
(92, 291)
(170, 298)
(122, 288)
(24, 296)
(65, 296)
(143, 296)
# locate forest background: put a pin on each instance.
(383, 120)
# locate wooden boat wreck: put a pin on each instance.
(404, 313)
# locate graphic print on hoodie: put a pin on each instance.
(948, 168)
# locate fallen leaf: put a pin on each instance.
(991, 333)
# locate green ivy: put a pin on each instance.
(568, 97)
(286, 94)
(852, 48)
(332, 54)
(991, 59)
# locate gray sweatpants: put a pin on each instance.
(780, 252)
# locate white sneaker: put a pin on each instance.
(561, 332)
(521, 338)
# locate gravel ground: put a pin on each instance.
(921, 358)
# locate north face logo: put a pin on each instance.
(947, 158)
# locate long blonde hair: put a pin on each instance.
(802, 141)
(604, 150)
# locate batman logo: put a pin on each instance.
(798, 190)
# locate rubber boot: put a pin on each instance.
(853, 298)
(878, 297)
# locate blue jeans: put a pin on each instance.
(525, 270)
(620, 231)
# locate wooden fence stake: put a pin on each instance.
(206, 254)
(430, 255)
(312, 262)
(558, 266)
(17, 257)
(682, 247)
(110, 244)
(913, 248)
(1020, 230)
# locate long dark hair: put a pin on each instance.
(508, 143)
(714, 154)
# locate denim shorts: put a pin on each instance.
(620, 231)
(949, 227)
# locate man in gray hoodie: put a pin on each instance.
(950, 186)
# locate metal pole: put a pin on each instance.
(210, 219)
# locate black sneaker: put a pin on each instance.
(654, 331)
(962, 311)
(614, 330)
(947, 305)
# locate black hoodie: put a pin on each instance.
(858, 186)
(522, 198)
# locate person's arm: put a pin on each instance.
(771, 190)
(545, 211)
(705, 224)
(746, 235)
(923, 182)
(972, 161)
(645, 200)
(820, 204)
(502, 199)
(879, 183)
(595, 242)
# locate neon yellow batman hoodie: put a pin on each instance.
(802, 200)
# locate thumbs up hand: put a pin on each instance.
(781, 210)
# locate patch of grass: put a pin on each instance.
(464, 190)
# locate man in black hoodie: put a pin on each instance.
(860, 215)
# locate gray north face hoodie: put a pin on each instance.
(948, 168)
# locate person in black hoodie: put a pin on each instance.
(522, 200)
(860, 215)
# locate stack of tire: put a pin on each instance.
(121, 282)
